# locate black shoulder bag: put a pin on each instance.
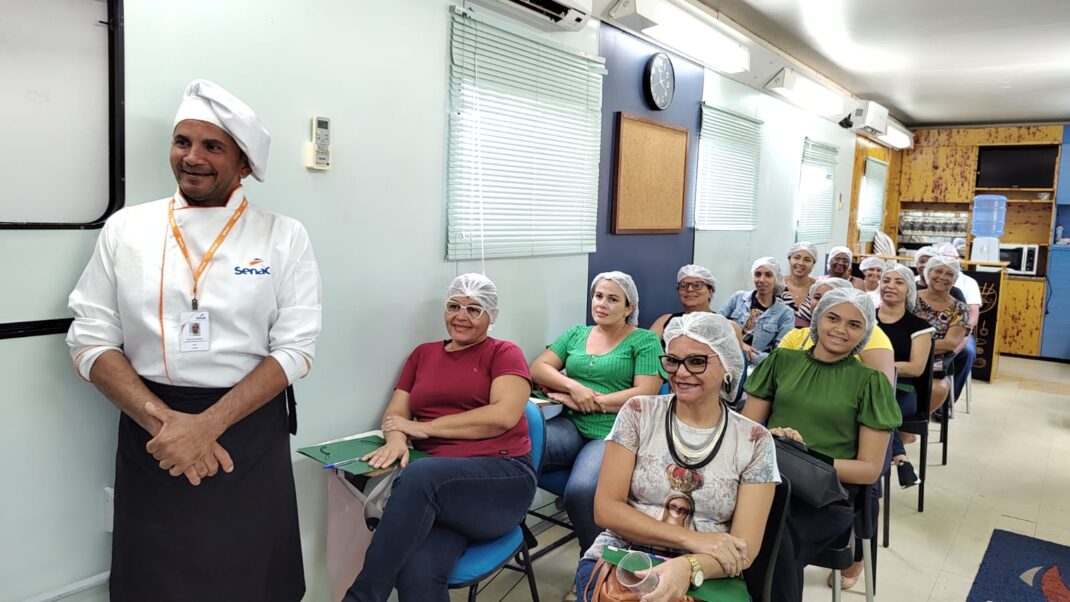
(812, 475)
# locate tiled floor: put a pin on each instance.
(1008, 468)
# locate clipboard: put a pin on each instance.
(346, 449)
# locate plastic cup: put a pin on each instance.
(634, 573)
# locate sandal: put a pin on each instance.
(907, 476)
(846, 582)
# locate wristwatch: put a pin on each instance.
(696, 571)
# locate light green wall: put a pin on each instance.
(377, 223)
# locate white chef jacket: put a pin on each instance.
(970, 290)
(261, 290)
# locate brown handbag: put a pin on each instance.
(604, 586)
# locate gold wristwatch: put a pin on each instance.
(696, 571)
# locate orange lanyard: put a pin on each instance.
(211, 250)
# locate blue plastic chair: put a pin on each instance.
(482, 559)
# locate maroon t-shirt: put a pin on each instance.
(440, 383)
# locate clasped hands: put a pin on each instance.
(186, 444)
(674, 575)
(579, 398)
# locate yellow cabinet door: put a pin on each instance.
(938, 174)
(1023, 316)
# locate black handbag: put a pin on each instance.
(812, 475)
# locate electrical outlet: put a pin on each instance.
(109, 509)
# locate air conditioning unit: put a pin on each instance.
(544, 15)
(871, 118)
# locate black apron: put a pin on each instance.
(232, 538)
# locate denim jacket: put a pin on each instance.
(771, 326)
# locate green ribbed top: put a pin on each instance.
(610, 372)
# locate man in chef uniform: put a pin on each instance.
(194, 315)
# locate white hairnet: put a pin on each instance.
(948, 262)
(630, 291)
(696, 271)
(834, 251)
(807, 247)
(715, 332)
(829, 281)
(947, 250)
(773, 266)
(478, 288)
(870, 263)
(853, 296)
(926, 251)
(207, 101)
(912, 287)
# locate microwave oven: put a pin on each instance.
(1021, 259)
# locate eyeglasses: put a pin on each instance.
(694, 364)
(474, 312)
(691, 286)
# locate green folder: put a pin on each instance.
(333, 453)
(726, 589)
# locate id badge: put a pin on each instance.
(195, 331)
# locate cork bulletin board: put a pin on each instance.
(651, 177)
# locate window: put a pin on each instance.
(817, 180)
(524, 143)
(61, 112)
(728, 156)
(871, 198)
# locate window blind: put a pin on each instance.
(871, 198)
(524, 140)
(816, 191)
(727, 188)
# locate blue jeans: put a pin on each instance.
(567, 448)
(964, 365)
(584, 572)
(436, 506)
(908, 406)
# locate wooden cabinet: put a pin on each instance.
(1023, 316)
(938, 174)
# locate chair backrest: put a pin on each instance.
(536, 432)
(761, 586)
(923, 386)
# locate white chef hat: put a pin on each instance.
(940, 260)
(715, 332)
(207, 101)
(478, 288)
(907, 276)
(771, 264)
(926, 251)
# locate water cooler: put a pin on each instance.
(989, 217)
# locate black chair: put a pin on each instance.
(841, 554)
(759, 586)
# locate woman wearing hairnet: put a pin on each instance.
(801, 259)
(761, 315)
(912, 338)
(839, 266)
(462, 401)
(695, 285)
(686, 452)
(604, 366)
(949, 316)
(837, 406)
(872, 270)
(877, 353)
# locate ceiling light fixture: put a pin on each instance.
(684, 29)
(805, 93)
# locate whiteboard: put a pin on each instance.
(54, 125)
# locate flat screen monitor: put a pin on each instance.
(1016, 166)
